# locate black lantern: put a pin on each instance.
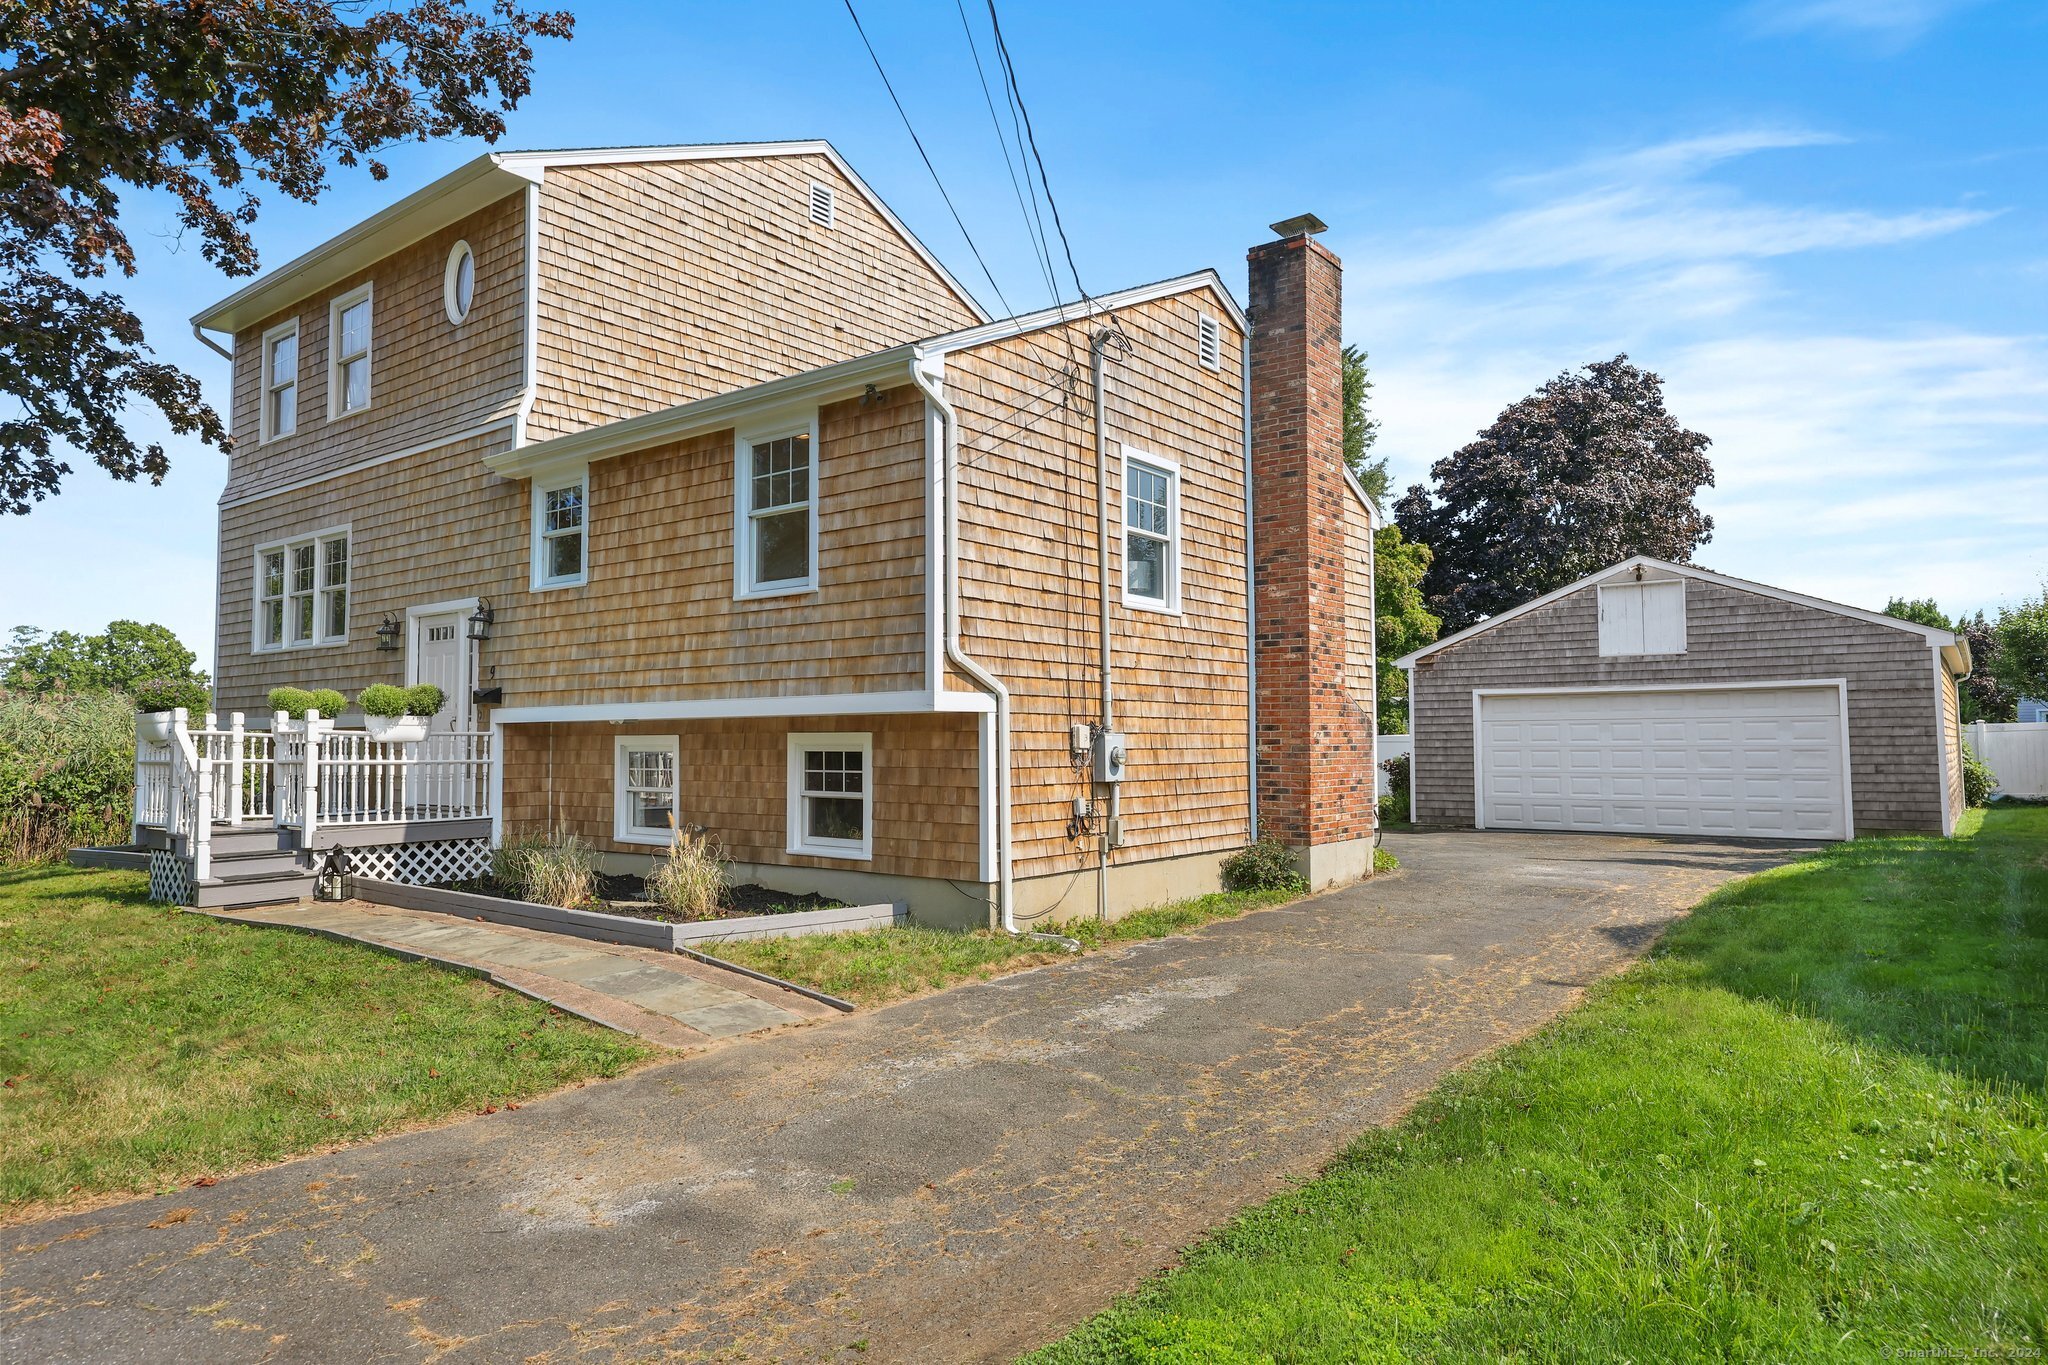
(480, 620)
(389, 633)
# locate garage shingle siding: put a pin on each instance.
(1732, 636)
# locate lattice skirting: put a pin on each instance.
(170, 878)
(424, 864)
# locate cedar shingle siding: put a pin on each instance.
(1896, 772)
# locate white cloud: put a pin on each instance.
(1850, 465)
(1895, 22)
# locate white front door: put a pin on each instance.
(440, 655)
(1758, 761)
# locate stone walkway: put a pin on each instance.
(664, 997)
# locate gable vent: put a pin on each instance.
(821, 204)
(1209, 343)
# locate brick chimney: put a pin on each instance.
(1315, 742)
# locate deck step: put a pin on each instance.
(257, 861)
(232, 839)
(258, 888)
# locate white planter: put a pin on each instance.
(285, 725)
(154, 727)
(396, 729)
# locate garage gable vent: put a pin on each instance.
(1642, 618)
(821, 204)
(1208, 343)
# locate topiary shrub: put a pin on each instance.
(295, 702)
(424, 699)
(168, 694)
(383, 699)
(1978, 779)
(1267, 865)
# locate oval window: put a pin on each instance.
(458, 286)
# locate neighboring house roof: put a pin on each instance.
(1953, 647)
(828, 383)
(484, 181)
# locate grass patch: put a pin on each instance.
(876, 966)
(143, 1047)
(1814, 1125)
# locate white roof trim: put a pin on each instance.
(1002, 329)
(1936, 638)
(485, 180)
(716, 413)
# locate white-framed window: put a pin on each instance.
(458, 282)
(822, 205)
(280, 382)
(302, 591)
(561, 539)
(1209, 342)
(775, 532)
(644, 777)
(1642, 618)
(831, 795)
(1151, 532)
(348, 352)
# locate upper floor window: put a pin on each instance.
(302, 591)
(1642, 618)
(1151, 532)
(458, 282)
(561, 508)
(280, 381)
(348, 346)
(776, 533)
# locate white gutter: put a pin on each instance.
(210, 344)
(946, 454)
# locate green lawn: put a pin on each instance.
(1813, 1126)
(880, 965)
(144, 1047)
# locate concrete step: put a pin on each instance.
(261, 888)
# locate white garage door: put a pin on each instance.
(1762, 762)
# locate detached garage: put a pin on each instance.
(1658, 698)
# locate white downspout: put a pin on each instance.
(949, 427)
(1251, 601)
(529, 364)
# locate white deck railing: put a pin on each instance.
(302, 775)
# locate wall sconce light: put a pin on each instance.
(480, 620)
(388, 633)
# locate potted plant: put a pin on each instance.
(290, 705)
(399, 715)
(157, 699)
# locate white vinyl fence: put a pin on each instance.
(1390, 746)
(2017, 753)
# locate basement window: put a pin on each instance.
(644, 769)
(1642, 618)
(775, 533)
(1151, 532)
(830, 795)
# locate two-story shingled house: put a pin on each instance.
(705, 492)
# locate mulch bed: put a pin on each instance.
(626, 894)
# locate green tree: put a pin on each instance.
(1402, 619)
(1361, 428)
(1583, 473)
(2022, 662)
(118, 659)
(1984, 696)
(105, 101)
(1921, 611)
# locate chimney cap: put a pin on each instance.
(1301, 225)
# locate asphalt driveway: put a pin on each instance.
(955, 1178)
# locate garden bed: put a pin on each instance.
(626, 894)
(639, 924)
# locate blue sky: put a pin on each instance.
(1822, 221)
